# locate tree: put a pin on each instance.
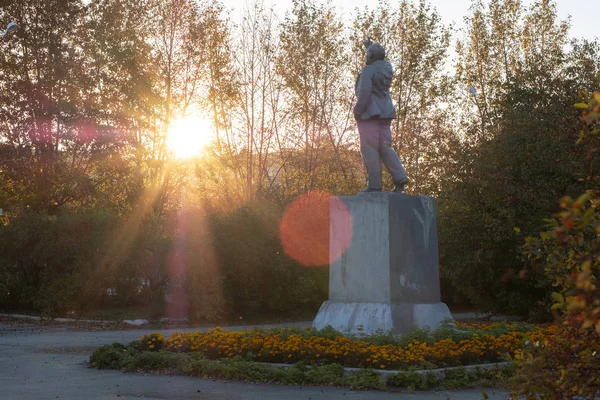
(259, 101)
(312, 64)
(47, 138)
(122, 96)
(513, 181)
(566, 364)
(503, 40)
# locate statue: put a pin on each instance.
(383, 248)
(374, 112)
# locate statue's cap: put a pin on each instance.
(375, 52)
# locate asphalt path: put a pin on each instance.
(40, 362)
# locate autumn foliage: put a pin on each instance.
(568, 366)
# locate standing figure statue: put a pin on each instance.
(374, 112)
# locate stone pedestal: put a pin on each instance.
(388, 277)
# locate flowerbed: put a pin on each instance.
(471, 344)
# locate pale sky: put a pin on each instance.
(584, 14)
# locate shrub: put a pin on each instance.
(109, 356)
(458, 378)
(55, 264)
(332, 374)
(48, 261)
(412, 380)
(365, 379)
(567, 364)
(257, 278)
(511, 180)
(152, 361)
(234, 265)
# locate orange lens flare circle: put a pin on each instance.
(305, 229)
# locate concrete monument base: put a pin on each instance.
(385, 275)
(369, 318)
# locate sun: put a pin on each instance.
(187, 137)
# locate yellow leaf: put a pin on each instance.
(597, 96)
(583, 106)
(586, 266)
(598, 328)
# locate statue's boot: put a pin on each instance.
(399, 186)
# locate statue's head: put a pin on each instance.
(375, 52)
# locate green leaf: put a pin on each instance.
(517, 229)
(584, 197)
(557, 297)
(582, 106)
(587, 217)
(546, 235)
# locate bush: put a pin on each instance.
(567, 364)
(258, 279)
(332, 374)
(48, 262)
(218, 266)
(59, 264)
(365, 379)
(110, 356)
(152, 361)
(412, 381)
(510, 181)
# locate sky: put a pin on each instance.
(584, 13)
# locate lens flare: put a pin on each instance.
(305, 229)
